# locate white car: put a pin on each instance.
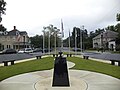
(26, 50)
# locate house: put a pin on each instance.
(105, 40)
(14, 39)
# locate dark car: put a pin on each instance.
(77, 49)
(9, 51)
(37, 50)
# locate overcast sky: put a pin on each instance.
(32, 15)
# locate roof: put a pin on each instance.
(107, 34)
(14, 32)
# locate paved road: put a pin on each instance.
(104, 56)
(8, 57)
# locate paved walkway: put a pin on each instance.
(79, 80)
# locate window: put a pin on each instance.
(17, 33)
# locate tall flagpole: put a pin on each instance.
(69, 41)
(43, 40)
(49, 42)
(81, 38)
(75, 41)
(62, 35)
(55, 41)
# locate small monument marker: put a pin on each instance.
(60, 75)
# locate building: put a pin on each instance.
(14, 39)
(105, 40)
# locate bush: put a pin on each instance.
(117, 47)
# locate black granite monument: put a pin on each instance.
(60, 76)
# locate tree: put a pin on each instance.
(36, 41)
(98, 31)
(111, 28)
(2, 28)
(79, 32)
(118, 17)
(51, 30)
(2, 8)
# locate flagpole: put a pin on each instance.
(69, 41)
(75, 42)
(61, 43)
(55, 42)
(81, 38)
(43, 40)
(49, 42)
(62, 35)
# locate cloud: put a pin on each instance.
(32, 15)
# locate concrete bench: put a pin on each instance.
(85, 57)
(38, 57)
(55, 55)
(113, 62)
(6, 62)
(69, 55)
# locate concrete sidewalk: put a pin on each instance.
(79, 80)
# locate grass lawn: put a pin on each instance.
(48, 63)
(95, 66)
(24, 67)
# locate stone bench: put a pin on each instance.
(38, 57)
(55, 55)
(85, 57)
(6, 62)
(69, 55)
(113, 62)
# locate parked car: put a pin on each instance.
(9, 51)
(25, 50)
(77, 49)
(37, 50)
(47, 50)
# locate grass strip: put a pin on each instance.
(48, 63)
(25, 67)
(95, 66)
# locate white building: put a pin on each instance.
(105, 40)
(14, 39)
